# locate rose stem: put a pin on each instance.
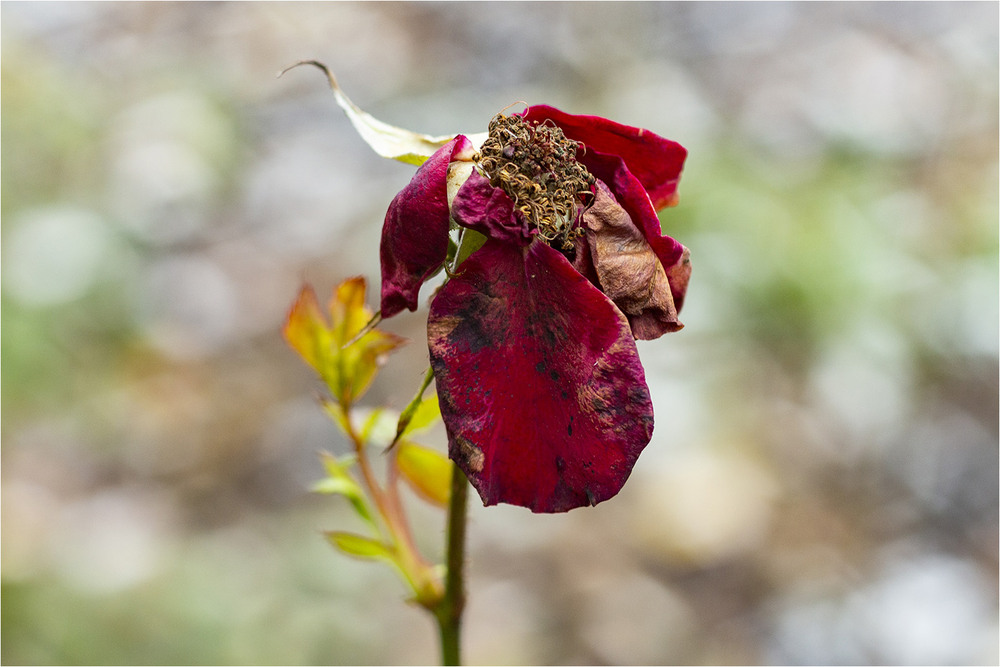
(449, 612)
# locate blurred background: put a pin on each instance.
(822, 484)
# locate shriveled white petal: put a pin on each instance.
(388, 140)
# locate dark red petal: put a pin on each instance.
(488, 210)
(656, 162)
(628, 270)
(540, 384)
(415, 233)
(583, 260)
(630, 195)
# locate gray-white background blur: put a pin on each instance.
(822, 483)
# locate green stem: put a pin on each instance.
(414, 569)
(449, 611)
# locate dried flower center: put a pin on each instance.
(535, 164)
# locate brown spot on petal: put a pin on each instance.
(628, 270)
(471, 455)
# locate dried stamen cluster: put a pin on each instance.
(535, 164)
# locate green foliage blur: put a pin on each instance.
(822, 484)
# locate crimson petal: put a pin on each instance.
(540, 384)
(415, 233)
(656, 162)
(489, 211)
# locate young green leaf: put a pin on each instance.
(307, 333)
(426, 413)
(340, 481)
(427, 471)
(361, 547)
(336, 485)
(344, 352)
(338, 467)
(358, 358)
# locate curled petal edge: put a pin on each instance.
(415, 234)
(655, 161)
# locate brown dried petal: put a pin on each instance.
(628, 270)
(679, 274)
